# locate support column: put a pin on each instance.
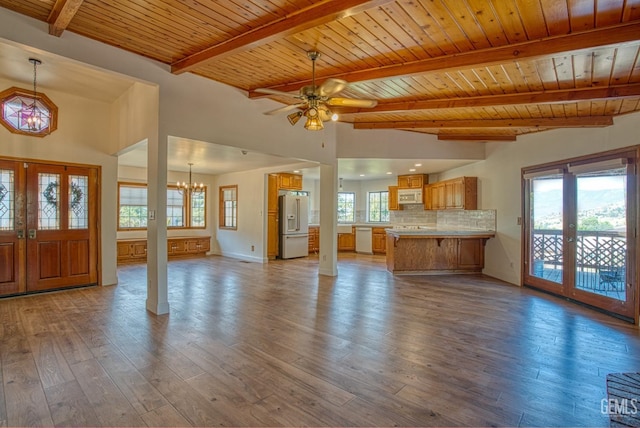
(328, 220)
(157, 293)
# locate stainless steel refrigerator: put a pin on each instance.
(294, 226)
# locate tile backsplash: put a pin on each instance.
(467, 219)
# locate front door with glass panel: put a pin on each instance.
(580, 232)
(48, 227)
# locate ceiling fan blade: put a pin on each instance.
(285, 108)
(276, 92)
(351, 102)
(332, 86)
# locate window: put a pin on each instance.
(183, 210)
(346, 207)
(378, 206)
(228, 218)
(132, 206)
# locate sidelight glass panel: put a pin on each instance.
(48, 201)
(546, 252)
(78, 202)
(7, 196)
(601, 239)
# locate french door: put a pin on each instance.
(580, 230)
(48, 226)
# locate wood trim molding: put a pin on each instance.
(549, 122)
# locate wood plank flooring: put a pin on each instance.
(277, 345)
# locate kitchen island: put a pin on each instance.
(427, 250)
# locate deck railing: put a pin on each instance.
(600, 256)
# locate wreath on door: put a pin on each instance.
(51, 191)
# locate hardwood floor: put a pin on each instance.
(276, 345)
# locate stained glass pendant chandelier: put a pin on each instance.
(32, 116)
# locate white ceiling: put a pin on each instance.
(68, 76)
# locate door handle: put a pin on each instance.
(32, 234)
(20, 234)
(570, 239)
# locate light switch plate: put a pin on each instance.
(152, 214)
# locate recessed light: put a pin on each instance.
(296, 171)
(389, 172)
(361, 175)
(418, 164)
(412, 170)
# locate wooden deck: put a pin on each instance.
(276, 345)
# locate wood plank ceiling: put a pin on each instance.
(462, 69)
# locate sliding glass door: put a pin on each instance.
(580, 230)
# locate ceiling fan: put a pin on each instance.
(315, 100)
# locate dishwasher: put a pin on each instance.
(363, 240)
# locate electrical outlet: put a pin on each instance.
(253, 248)
(519, 221)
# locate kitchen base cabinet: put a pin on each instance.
(347, 241)
(314, 239)
(135, 250)
(435, 254)
(379, 240)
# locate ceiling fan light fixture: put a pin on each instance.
(294, 117)
(314, 123)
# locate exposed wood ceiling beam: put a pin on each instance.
(61, 15)
(552, 122)
(617, 92)
(303, 19)
(615, 34)
(449, 137)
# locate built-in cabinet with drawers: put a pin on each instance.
(135, 250)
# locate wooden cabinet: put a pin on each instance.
(185, 247)
(393, 198)
(412, 181)
(347, 241)
(470, 254)
(132, 251)
(135, 250)
(287, 181)
(426, 196)
(314, 239)
(437, 196)
(379, 240)
(457, 193)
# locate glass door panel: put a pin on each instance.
(601, 241)
(546, 231)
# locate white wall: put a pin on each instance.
(500, 185)
(83, 137)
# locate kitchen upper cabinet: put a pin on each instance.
(412, 181)
(393, 198)
(457, 193)
(287, 181)
(426, 196)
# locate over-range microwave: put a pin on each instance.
(409, 196)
